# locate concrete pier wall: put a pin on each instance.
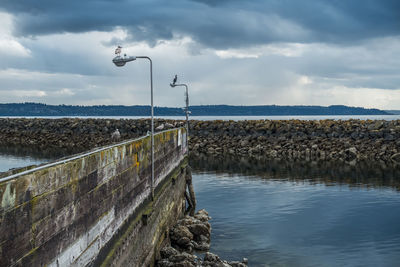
(95, 208)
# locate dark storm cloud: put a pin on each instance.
(213, 23)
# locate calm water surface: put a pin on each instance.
(280, 218)
(9, 161)
(289, 214)
(17, 157)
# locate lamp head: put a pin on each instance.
(121, 61)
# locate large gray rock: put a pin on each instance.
(183, 242)
(211, 257)
(395, 157)
(202, 246)
(199, 229)
(350, 153)
(376, 125)
(183, 257)
(202, 217)
(168, 251)
(244, 143)
(180, 231)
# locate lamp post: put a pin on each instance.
(173, 84)
(120, 62)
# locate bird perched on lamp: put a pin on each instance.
(175, 79)
(118, 50)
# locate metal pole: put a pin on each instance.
(152, 126)
(120, 62)
(187, 119)
(187, 113)
(152, 131)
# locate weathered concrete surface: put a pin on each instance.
(94, 206)
(139, 242)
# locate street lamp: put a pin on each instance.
(120, 62)
(173, 84)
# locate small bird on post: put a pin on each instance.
(116, 135)
(175, 79)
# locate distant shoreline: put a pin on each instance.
(220, 118)
(43, 110)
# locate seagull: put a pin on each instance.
(115, 135)
(168, 125)
(175, 79)
(160, 127)
(118, 50)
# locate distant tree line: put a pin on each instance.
(37, 109)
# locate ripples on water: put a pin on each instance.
(277, 220)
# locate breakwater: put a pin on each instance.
(96, 208)
(68, 134)
(349, 140)
(192, 234)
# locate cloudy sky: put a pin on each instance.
(240, 52)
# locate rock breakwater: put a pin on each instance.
(349, 140)
(71, 133)
(192, 234)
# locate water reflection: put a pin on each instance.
(36, 152)
(300, 214)
(15, 157)
(363, 174)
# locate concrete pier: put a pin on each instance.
(94, 208)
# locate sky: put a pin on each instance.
(236, 52)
